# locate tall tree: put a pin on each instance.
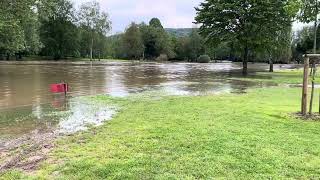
(243, 21)
(59, 34)
(93, 20)
(133, 42)
(156, 39)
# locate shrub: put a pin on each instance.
(204, 59)
(162, 57)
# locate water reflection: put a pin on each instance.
(26, 103)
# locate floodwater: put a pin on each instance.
(27, 105)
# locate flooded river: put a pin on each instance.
(26, 104)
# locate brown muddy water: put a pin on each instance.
(27, 105)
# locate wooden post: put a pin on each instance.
(304, 103)
(313, 86)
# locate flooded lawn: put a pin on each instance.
(27, 105)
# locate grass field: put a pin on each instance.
(232, 136)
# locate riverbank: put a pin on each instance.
(251, 135)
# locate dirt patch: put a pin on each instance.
(25, 153)
(308, 117)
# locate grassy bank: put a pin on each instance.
(243, 136)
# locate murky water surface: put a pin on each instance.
(26, 104)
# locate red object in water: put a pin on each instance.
(59, 88)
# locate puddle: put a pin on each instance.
(83, 115)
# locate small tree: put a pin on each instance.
(204, 59)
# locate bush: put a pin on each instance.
(204, 59)
(162, 57)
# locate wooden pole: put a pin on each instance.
(313, 86)
(304, 103)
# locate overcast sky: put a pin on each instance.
(172, 13)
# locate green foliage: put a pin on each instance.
(51, 27)
(181, 48)
(132, 42)
(116, 47)
(93, 18)
(58, 33)
(156, 40)
(94, 24)
(14, 18)
(276, 48)
(309, 10)
(221, 51)
(248, 22)
(155, 22)
(31, 27)
(231, 30)
(189, 47)
(204, 59)
(196, 45)
(304, 43)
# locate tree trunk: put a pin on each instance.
(245, 61)
(271, 65)
(8, 57)
(304, 102)
(231, 53)
(91, 49)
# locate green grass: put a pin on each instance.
(232, 136)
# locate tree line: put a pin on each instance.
(151, 41)
(237, 30)
(53, 28)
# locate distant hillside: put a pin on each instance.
(179, 32)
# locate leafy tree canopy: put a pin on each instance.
(244, 21)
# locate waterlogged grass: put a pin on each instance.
(232, 136)
(280, 77)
